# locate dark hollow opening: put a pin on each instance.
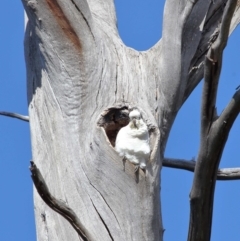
(112, 120)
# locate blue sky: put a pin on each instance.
(140, 27)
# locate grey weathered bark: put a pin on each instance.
(82, 80)
(214, 134)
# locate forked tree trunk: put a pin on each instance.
(82, 80)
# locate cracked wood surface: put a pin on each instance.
(77, 68)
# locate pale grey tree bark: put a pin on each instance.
(81, 81)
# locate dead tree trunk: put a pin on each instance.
(82, 80)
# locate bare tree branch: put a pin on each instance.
(57, 205)
(15, 115)
(229, 114)
(188, 165)
(224, 174)
(228, 174)
(213, 138)
(209, 33)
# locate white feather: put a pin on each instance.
(132, 141)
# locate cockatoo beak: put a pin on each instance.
(134, 122)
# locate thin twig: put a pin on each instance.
(57, 205)
(224, 174)
(15, 115)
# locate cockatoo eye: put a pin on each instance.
(135, 117)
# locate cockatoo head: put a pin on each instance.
(135, 116)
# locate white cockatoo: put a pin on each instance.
(132, 141)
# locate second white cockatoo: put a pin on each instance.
(132, 142)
